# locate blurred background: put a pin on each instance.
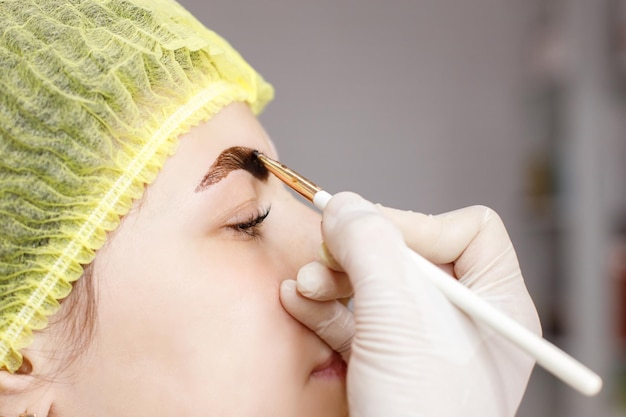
(436, 104)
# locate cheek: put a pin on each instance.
(234, 300)
(212, 323)
(191, 295)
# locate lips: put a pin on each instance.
(333, 367)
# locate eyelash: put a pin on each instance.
(251, 227)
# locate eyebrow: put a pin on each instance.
(233, 159)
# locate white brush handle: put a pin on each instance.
(553, 359)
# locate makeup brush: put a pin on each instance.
(550, 357)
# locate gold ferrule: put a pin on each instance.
(297, 182)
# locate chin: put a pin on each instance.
(326, 408)
(329, 399)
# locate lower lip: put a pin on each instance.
(335, 367)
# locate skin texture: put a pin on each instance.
(189, 318)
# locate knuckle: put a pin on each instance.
(486, 214)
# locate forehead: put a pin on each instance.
(198, 149)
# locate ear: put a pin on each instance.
(23, 392)
(19, 381)
(23, 395)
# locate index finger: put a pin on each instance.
(473, 239)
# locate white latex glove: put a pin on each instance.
(410, 351)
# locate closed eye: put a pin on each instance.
(251, 228)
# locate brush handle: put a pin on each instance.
(321, 199)
(550, 357)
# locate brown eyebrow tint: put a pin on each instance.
(232, 159)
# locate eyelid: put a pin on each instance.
(251, 228)
(250, 214)
(237, 213)
(254, 218)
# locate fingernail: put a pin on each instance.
(288, 285)
(328, 259)
(307, 283)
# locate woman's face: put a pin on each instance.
(189, 318)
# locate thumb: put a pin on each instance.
(366, 244)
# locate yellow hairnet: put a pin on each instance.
(93, 94)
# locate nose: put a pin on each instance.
(301, 236)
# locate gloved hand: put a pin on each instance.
(410, 351)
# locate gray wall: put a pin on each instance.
(414, 104)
